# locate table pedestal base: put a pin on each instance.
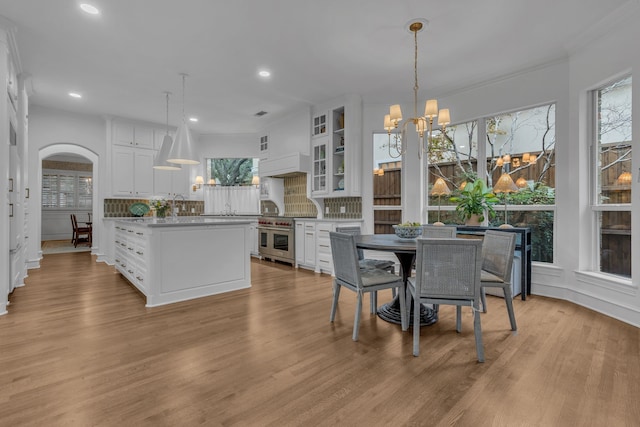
(390, 312)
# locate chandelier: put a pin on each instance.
(423, 124)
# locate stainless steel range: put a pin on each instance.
(276, 238)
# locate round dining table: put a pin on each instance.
(405, 251)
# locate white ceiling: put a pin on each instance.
(123, 60)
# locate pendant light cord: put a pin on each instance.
(184, 78)
(167, 95)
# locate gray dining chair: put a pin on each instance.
(370, 263)
(497, 262)
(348, 274)
(431, 231)
(448, 272)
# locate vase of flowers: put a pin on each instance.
(160, 206)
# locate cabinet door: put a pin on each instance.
(310, 244)
(143, 137)
(143, 173)
(319, 167)
(299, 243)
(123, 133)
(122, 171)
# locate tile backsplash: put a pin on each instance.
(352, 207)
(296, 203)
(116, 208)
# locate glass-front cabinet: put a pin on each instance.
(319, 159)
(336, 148)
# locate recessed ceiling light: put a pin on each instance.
(75, 95)
(264, 73)
(193, 119)
(90, 9)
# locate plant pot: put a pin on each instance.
(473, 220)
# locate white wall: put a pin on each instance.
(72, 133)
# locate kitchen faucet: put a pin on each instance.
(227, 211)
(174, 214)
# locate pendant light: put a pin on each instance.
(161, 159)
(183, 151)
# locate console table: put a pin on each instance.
(523, 246)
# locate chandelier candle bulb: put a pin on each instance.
(444, 118)
(395, 114)
(431, 108)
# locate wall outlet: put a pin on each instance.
(326, 209)
(343, 209)
(193, 210)
(266, 210)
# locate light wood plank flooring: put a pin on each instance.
(78, 347)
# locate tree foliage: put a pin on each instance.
(229, 172)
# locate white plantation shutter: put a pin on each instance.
(66, 189)
(49, 191)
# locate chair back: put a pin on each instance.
(345, 259)
(74, 222)
(448, 268)
(354, 231)
(497, 253)
(431, 231)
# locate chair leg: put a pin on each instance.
(393, 292)
(477, 329)
(483, 298)
(334, 305)
(458, 318)
(416, 325)
(356, 321)
(508, 299)
(373, 302)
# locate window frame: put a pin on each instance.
(596, 206)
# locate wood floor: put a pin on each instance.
(78, 347)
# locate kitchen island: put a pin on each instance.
(171, 260)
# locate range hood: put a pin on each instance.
(283, 165)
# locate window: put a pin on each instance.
(612, 172)
(264, 143)
(452, 156)
(522, 145)
(66, 190)
(387, 185)
(230, 172)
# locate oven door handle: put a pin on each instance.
(275, 229)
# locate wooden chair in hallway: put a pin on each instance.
(80, 234)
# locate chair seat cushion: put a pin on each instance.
(381, 264)
(378, 277)
(485, 276)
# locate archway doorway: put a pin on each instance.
(72, 153)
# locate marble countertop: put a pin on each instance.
(187, 221)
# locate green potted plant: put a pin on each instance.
(474, 200)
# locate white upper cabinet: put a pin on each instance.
(126, 133)
(336, 149)
(132, 172)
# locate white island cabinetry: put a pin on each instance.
(176, 261)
